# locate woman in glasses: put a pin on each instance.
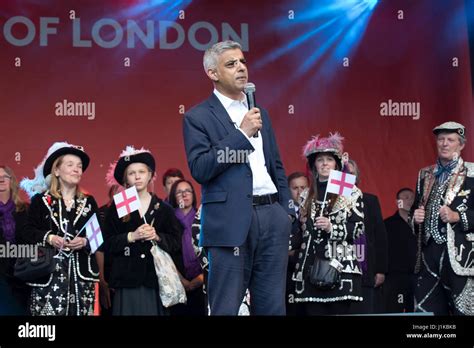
(13, 213)
(57, 217)
(183, 199)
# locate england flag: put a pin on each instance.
(127, 201)
(341, 183)
(94, 233)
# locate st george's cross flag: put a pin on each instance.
(94, 233)
(341, 183)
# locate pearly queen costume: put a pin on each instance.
(70, 288)
(445, 263)
(347, 220)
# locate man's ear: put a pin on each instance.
(212, 73)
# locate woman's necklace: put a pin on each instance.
(69, 203)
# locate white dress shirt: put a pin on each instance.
(262, 182)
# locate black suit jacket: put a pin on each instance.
(401, 245)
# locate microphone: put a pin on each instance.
(249, 90)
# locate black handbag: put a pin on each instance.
(29, 269)
(325, 274)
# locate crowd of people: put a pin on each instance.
(260, 243)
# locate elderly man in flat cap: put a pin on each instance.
(443, 217)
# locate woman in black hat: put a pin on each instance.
(328, 237)
(129, 239)
(58, 212)
(13, 214)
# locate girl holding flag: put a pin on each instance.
(329, 225)
(128, 239)
(58, 212)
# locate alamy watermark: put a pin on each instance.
(67, 108)
(28, 330)
(345, 251)
(227, 155)
(401, 109)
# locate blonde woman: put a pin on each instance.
(128, 240)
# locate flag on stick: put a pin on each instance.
(341, 183)
(127, 201)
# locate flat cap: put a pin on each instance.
(450, 127)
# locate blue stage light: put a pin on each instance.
(323, 31)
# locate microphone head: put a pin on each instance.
(249, 88)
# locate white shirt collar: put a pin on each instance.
(227, 102)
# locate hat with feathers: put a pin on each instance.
(330, 145)
(42, 179)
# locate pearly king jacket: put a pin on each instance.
(459, 196)
(347, 220)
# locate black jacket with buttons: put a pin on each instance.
(43, 219)
(132, 263)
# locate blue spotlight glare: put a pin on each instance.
(371, 3)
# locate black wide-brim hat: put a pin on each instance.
(125, 161)
(67, 150)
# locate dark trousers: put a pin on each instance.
(107, 312)
(366, 306)
(195, 305)
(372, 303)
(437, 284)
(259, 264)
(13, 300)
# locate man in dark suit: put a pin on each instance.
(373, 247)
(233, 154)
(399, 283)
(443, 214)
